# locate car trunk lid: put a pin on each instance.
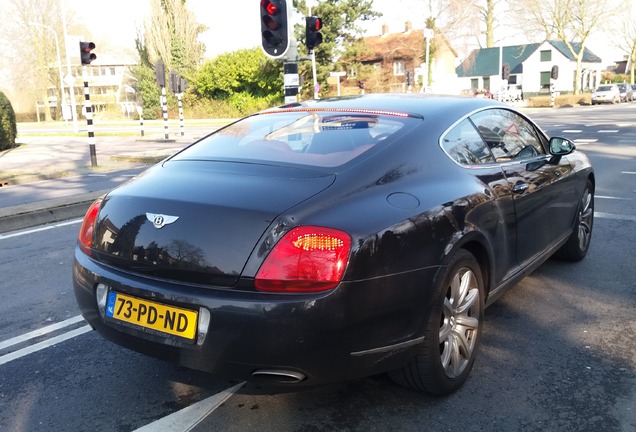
(196, 222)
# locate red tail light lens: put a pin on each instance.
(306, 259)
(85, 239)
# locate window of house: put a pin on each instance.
(377, 67)
(512, 79)
(474, 83)
(546, 56)
(398, 67)
(352, 72)
(545, 80)
(487, 83)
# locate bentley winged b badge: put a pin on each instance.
(159, 220)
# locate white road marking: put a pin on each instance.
(612, 198)
(615, 216)
(44, 344)
(189, 417)
(585, 140)
(40, 332)
(608, 131)
(628, 172)
(43, 228)
(572, 131)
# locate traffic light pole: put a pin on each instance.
(89, 119)
(164, 107)
(313, 71)
(180, 113)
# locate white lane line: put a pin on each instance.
(612, 198)
(572, 131)
(40, 332)
(44, 228)
(615, 216)
(608, 131)
(628, 172)
(585, 140)
(189, 417)
(44, 344)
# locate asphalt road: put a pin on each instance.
(558, 351)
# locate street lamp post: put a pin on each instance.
(59, 62)
(428, 34)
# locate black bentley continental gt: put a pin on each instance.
(334, 239)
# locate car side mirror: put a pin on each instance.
(561, 146)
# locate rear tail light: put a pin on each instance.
(85, 239)
(306, 259)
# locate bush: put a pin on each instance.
(8, 126)
(560, 101)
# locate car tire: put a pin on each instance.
(575, 249)
(445, 358)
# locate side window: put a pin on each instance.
(508, 135)
(464, 144)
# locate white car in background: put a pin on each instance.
(606, 93)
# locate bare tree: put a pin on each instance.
(171, 34)
(32, 26)
(571, 21)
(625, 37)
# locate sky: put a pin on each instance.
(235, 24)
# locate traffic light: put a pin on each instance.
(85, 52)
(554, 73)
(274, 28)
(505, 71)
(174, 81)
(160, 73)
(183, 85)
(313, 37)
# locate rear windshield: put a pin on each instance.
(316, 138)
(604, 88)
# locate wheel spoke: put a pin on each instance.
(471, 299)
(470, 323)
(458, 355)
(459, 322)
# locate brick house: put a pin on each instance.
(395, 56)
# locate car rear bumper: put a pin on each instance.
(356, 330)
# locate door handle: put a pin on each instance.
(520, 188)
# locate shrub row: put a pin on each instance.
(8, 126)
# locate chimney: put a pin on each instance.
(385, 29)
(408, 26)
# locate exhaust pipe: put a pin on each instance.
(279, 375)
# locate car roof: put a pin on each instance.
(424, 105)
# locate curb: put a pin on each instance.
(44, 212)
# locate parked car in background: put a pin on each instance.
(625, 91)
(606, 93)
(334, 239)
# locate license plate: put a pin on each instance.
(151, 315)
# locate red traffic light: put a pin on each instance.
(275, 35)
(313, 37)
(86, 55)
(315, 22)
(270, 7)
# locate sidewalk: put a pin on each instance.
(58, 159)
